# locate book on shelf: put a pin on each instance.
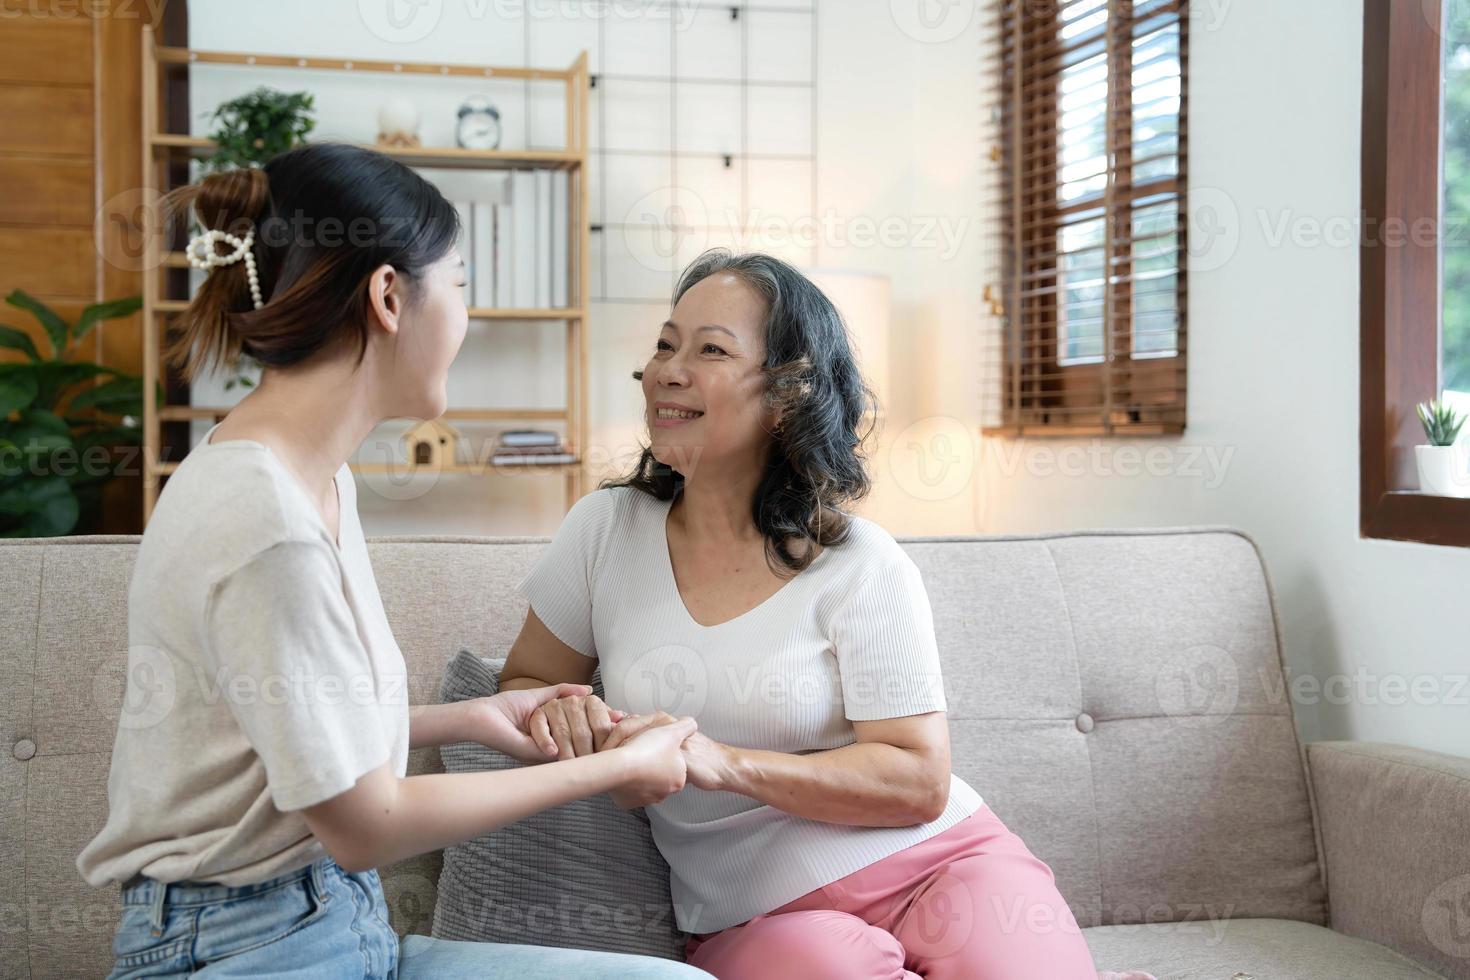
(543, 238)
(530, 447)
(482, 246)
(504, 273)
(523, 458)
(531, 450)
(529, 437)
(515, 239)
(560, 201)
(465, 244)
(523, 238)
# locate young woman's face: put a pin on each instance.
(703, 385)
(431, 328)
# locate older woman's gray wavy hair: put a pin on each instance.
(817, 465)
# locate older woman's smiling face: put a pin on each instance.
(703, 385)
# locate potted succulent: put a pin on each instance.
(58, 430)
(1444, 463)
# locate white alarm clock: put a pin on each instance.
(479, 124)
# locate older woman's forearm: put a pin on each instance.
(867, 784)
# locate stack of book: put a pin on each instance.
(530, 447)
(515, 242)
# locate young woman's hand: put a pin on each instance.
(573, 725)
(508, 721)
(656, 742)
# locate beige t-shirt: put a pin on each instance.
(262, 676)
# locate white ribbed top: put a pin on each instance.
(850, 638)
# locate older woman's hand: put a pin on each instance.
(710, 764)
(579, 725)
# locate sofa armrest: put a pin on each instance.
(1395, 824)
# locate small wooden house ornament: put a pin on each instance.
(433, 443)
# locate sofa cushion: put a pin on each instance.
(1263, 949)
(585, 875)
(1118, 699)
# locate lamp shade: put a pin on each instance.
(863, 299)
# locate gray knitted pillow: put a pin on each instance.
(585, 875)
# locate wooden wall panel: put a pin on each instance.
(55, 119)
(49, 50)
(119, 44)
(48, 261)
(48, 190)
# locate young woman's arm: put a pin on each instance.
(895, 775)
(440, 724)
(383, 818)
(500, 721)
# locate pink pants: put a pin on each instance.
(971, 903)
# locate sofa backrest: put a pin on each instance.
(1117, 697)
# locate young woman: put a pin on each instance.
(258, 774)
(822, 834)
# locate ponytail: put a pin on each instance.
(211, 332)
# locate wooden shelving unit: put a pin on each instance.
(159, 148)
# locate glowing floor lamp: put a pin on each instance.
(863, 299)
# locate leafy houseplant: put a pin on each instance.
(256, 126)
(54, 460)
(249, 131)
(1444, 463)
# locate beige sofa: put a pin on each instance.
(1116, 696)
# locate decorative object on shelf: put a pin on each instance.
(255, 127)
(1444, 463)
(54, 461)
(433, 444)
(479, 124)
(398, 123)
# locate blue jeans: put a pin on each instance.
(323, 922)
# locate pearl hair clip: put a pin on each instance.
(202, 255)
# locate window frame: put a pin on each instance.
(1399, 274)
(1152, 380)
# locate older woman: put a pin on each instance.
(821, 833)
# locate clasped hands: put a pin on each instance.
(581, 724)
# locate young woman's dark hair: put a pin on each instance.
(817, 463)
(325, 215)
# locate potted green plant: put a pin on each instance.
(58, 439)
(1444, 463)
(248, 131)
(256, 126)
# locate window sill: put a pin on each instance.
(1409, 515)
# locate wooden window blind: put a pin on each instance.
(1085, 297)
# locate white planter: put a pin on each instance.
(1444, 470)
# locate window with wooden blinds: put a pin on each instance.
(1085, 280)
